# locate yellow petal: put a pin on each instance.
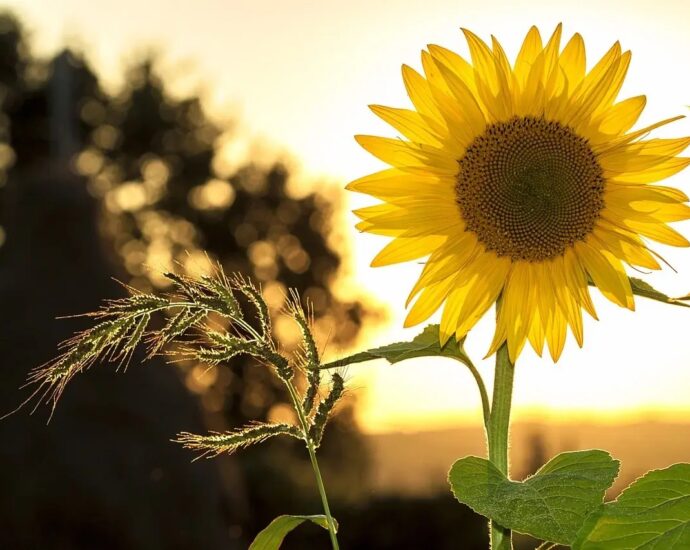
(615, 84)
(530, 50)
(622, 116)
(531, 98)
(451, 312)
(657, 170)
(549, 314)
(603, 147)
(514, 315)
(446, 260)
(635, 192)
(607, 273)
(625, 208)
(573, 61)
(566, 296)
(556, 333)
(368, 227)
(667, 212)
(482, 60)
(491, 86)
(602, 67)
(461, 68)
(488, 274)
(574, 316)
(406, 155)
(465, 103)
(536, 333)
(658, 232)
(551, 68)
(624, 247)
(590, 97)
(420, 94)
(642, 155)
(404, 249)
(460, 131)
(393, 183)
(429, 301)
(431, 72)
(505, 76)
(438, 219)
(576, 280)
(409, 123)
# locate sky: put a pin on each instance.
(300, 75)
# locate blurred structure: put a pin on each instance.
(537, 455)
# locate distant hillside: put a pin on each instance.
(417, 463)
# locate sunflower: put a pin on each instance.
(522, 184)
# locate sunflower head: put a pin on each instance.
(521, 183)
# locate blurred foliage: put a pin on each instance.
(388, 522)
(103, 473)
(160, 197)
(150, 161)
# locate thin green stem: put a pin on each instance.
(296, 403)
(482, 389)
(324, 498)
(314, 463)
(497, 433)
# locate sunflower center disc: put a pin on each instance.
(529, 188)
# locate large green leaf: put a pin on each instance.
(642, 288)
(425, 344)
(272, 536)
(551, 505)
(652, 513)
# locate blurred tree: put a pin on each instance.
(102, 475)
(92, 185)
(149, 161)
(152, 160)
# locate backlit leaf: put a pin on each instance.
(652, 513)
(272, 536)
(550, 505)
(642, 288)
(425, 344)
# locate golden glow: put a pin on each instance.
(310, 96)
(214, 194)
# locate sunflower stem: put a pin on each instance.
(497, 433)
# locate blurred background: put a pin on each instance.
(137, 137)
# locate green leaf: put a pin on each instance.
(272, 536)
(642, 288)
(653, 512)
(551, 505)
(426, 344)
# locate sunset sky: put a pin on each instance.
(300, 74)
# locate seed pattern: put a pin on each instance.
(529, 188)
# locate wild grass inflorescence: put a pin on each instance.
(192, 331)
(125, 324)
